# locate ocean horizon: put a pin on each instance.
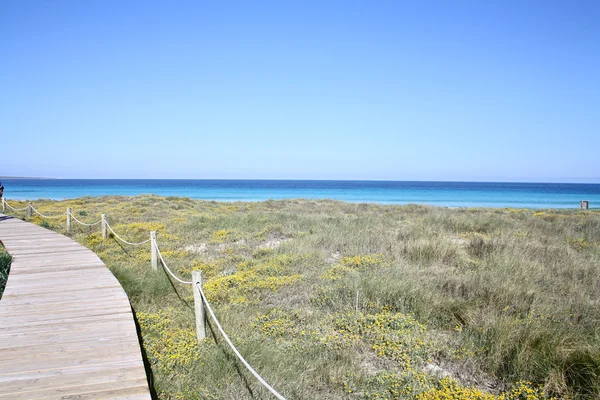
(442, 193)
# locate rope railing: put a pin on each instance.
(166, 267)
(13, 208)
(83, 223)
(201, 302)
(123, 240)
(218, 324)
(233, 348)
(47, 216)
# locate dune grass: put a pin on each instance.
(5, 261)
(332, 300)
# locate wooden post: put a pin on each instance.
(3, 205)
(154, 257)
(198, 306)
(29, 210)
(103, 226)
(68, 219)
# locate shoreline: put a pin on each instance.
(442, 194)
(304, 199)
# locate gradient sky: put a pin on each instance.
(445, 90)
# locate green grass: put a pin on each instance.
(5, 260)
(332, 300)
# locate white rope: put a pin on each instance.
(16, 209)
(237, 353)
(164, 264)
(83, 223)
(123, 240)
(47, 216)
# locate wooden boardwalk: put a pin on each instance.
(66, 325)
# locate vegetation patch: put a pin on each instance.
(5, 261)
(251, 279)
(169, 346)
(359, 301)
(354, 264)
(449, 389)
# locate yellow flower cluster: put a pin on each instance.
(170, 254)
(354, 263)
(141, 230)
(288, 329)
(395, 336)
(363, 262)
(460, 353)
(222, 236)
(209, 269)
(275, 323)
(449, 389)
(524, 390)
(168, 346)
(337, 340)
(391, 385)
(251, 278)
(515, 210)
(225, 288)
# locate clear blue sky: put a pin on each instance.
(447, 90)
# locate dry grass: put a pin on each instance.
(332, 300)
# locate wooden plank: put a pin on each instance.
(18, 338)
(59, 278)
(75, 284)
(50, 310)
(68, 341)
(113, 390)
(57, 307)
(23, 270)
(55, 276)
(66, 325)
(26, 250)
(77, 255)
(44, 373)
(56, 359)
(46, 266)
(102, 374)
(60, 323)
(41, 241)
(28, 362)
(94, 310)
(96, 278)
(62, 297)
(22, 311)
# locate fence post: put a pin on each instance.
(199, 306)
(29, 210)
(154, 258)
(3, 205)
(103, 226)
(68, 219)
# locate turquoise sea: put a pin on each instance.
(448, 194)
